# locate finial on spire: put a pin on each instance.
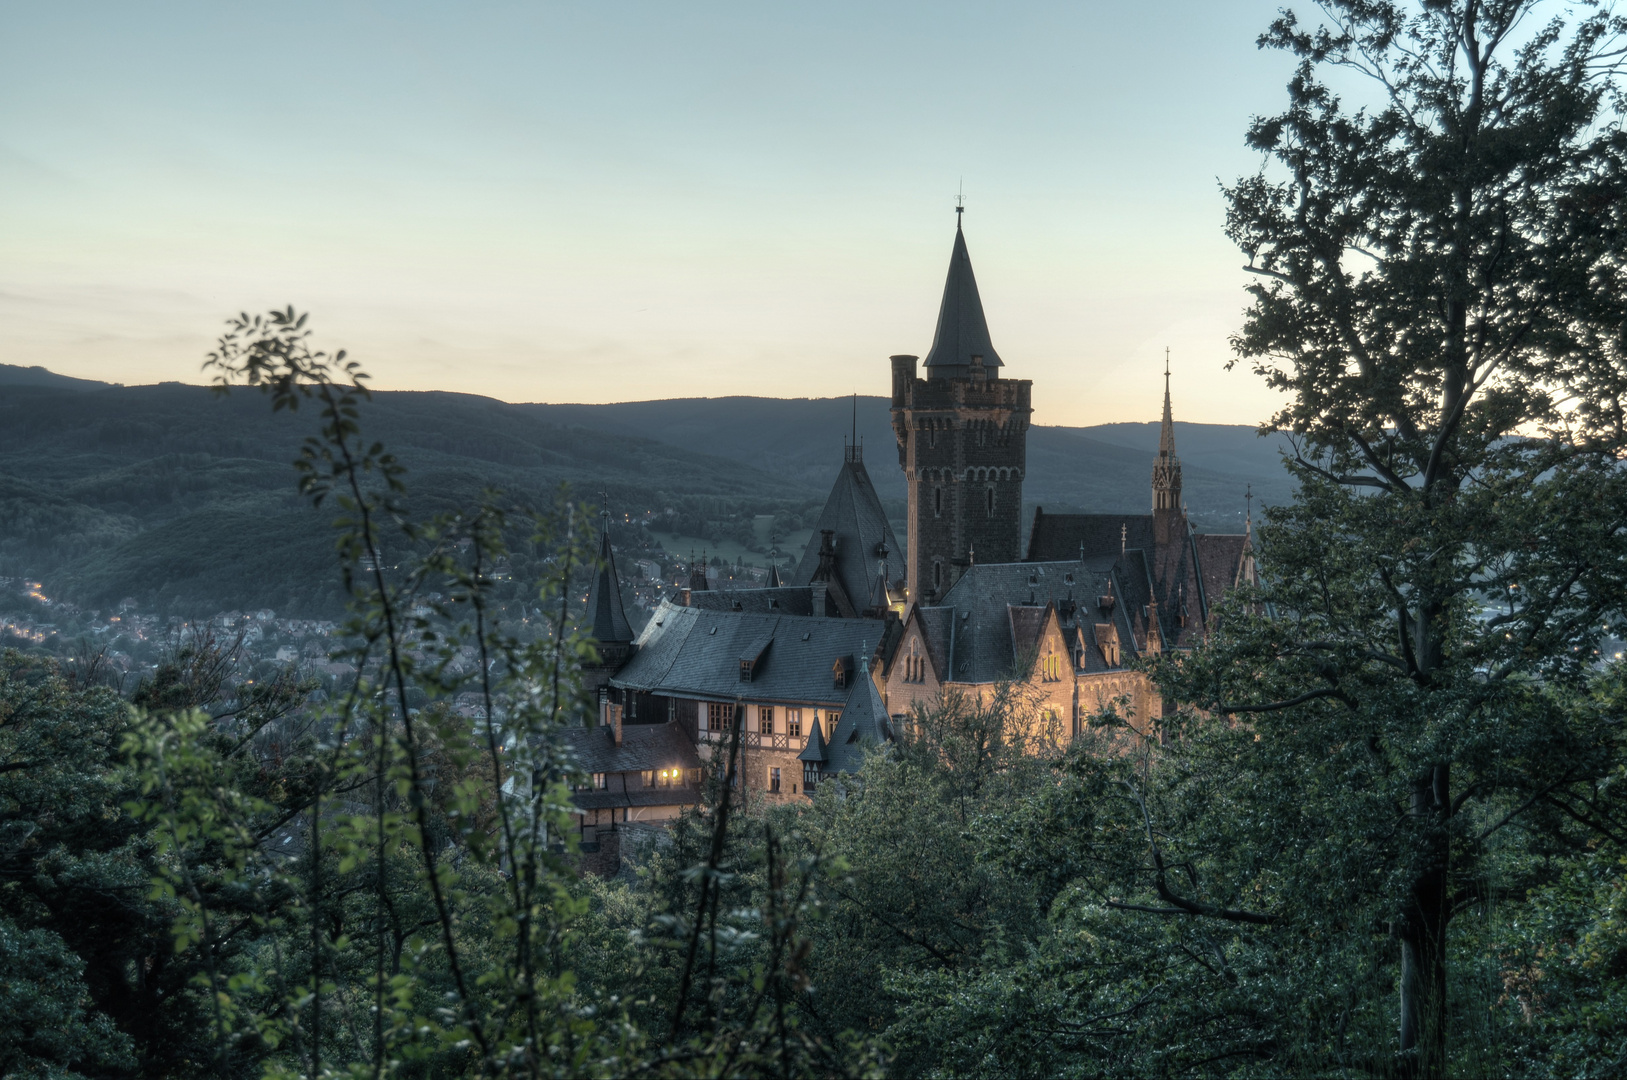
(1248, 503)
(1166, 470)
(960, 203)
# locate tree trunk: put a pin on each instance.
(1422, 930)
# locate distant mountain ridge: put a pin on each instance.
(1106, 467)
(14, 375)
(184, 499)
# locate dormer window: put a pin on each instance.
(840, 670)
(753, 657)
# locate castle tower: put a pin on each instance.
(962, 443)
(605, 618)
(1166, 472)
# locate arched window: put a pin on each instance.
(937, 575)
(988, 495)
(937, 502)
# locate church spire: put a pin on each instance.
(606, 618)
(1166, 469)
(963, 332)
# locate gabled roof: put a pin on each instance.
(962, 332)
(694, 652)
(1220, 560)
(781, 600)
(1191, 569)
(643, 747)
(1056, 537)
(854, 515)
(995, 613)
(864, 723)
(606, 619)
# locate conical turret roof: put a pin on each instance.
(606, 617)
(815, 750)
(858, 525)
(962, 331)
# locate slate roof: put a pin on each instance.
(1220, 558)
(1193, 570)
(784, 600)
(814, 750)
(1072, 536)
(938, 628)
(695, 652)
(643, 747)
(686, 795)
(853, 512)
(995, 612)
(606, 619)
(962, 331)
(864, 723)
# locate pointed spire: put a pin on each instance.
(962, 331)
(606, 617)
(1166, 469)
(1166, 438)
(774, 579)
(814, 752)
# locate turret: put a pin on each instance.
(962, 435)
(605, 617)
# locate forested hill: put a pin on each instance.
(185, 499)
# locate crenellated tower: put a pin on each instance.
(962, 442)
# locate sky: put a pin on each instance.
(623, 200)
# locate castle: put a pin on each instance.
(837, 657)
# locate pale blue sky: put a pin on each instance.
(617, 200)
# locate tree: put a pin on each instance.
(1442, 297)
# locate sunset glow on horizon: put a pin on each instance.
(628, 201)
